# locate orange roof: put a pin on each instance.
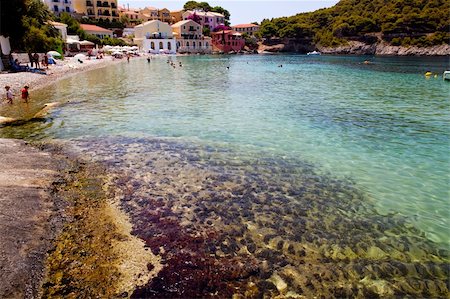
(223, 31)
(88, 27)
(245, 25)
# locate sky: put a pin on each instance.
(243, 11)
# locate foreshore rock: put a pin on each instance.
(359, 48)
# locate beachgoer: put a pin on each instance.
(148, 59)
(30, 57)
(9, 95)
(36, 60)
(25, 94)
(45, 61)
(128, 57)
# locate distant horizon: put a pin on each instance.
(243, 12)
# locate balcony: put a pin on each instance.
(113, 5)
(89, 3)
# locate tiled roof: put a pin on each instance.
(245, 25)
(88, 27)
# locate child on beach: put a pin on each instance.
(25, 94)
(9, 95)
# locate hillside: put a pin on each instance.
(419, 23)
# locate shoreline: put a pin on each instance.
(64, 69)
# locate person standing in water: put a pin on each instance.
(25, 94)
(9, 95)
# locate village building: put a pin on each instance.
(155, 37)
(59, 6)
(102, 9)
(176, 16)
(97, 31)
(132, 16)
(227, 40)
(190, 39)
(250, 29)
(61, 27)
(206, 19)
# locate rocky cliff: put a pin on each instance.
(352, 48)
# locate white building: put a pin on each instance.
(62, 28)
(155, 37)
(59, 6)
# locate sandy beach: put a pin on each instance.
(63, 69)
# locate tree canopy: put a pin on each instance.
(26, 23)
(419, 22)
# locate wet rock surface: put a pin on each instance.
(29, 216)
(228, 224)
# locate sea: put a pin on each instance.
(269, 175)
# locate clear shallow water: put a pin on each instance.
(326, 126)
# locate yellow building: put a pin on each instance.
(93, 9)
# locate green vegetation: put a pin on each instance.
(25, 22)
(400, 22)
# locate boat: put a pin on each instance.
(313, 53)
(446, 75)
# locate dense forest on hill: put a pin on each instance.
(399, 22)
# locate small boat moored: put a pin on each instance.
(313, 53)
(446, 75)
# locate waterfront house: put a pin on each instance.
(227, 40)
(97, 31)
(59, 6)
(206, 19)
(97, 9)
(250, 29)
(155, 37)
(190, 37)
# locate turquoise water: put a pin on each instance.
(379, 130)
(384, 125)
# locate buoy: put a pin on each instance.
(428, 73)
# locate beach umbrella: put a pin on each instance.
(80, 56)
(53, 53)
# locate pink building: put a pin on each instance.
(206, 19)
(227, 40)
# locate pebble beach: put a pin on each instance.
(63, 68)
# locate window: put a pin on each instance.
(161, 46)
(184, 27)
(193, 45)
(206, 44)
(55, 8)
(152, 45)
(200, 44)
(169, 45)
(187, 44)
